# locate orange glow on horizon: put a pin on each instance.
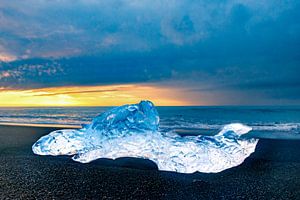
(6, 57)
(112, 95)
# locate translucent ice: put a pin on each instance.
(132, 131)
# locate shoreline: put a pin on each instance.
(40, 125)
(183, 132)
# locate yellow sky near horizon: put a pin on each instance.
(112, 95)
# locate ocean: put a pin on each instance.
(281, 122)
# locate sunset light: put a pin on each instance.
(90, 96)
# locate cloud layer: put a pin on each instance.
(212, 49)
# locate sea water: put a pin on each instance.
(266, 121)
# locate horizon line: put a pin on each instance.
(225, 105)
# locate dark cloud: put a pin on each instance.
(38, 73)
(77, 92)
(243, 47)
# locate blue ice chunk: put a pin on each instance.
(136, 117)
(132, 131)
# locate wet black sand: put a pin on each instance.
(272, 172)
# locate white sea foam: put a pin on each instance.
(259, 127)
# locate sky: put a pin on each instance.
(189, 52)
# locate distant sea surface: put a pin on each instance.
(266, 121)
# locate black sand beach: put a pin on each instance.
(272, 172)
